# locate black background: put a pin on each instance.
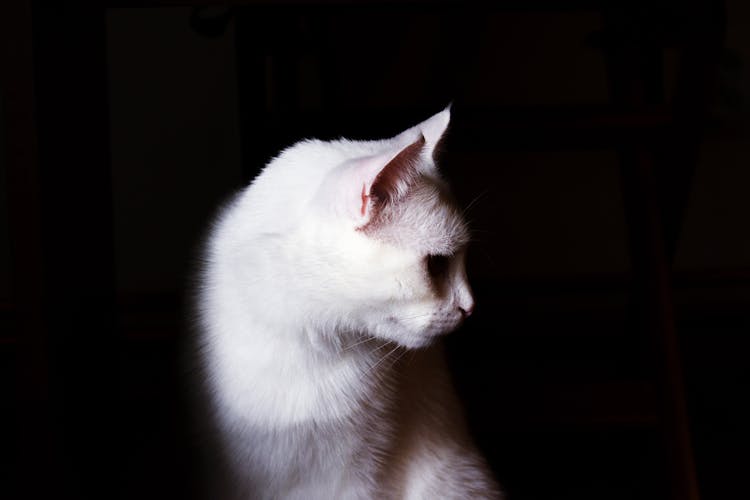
(602, 148)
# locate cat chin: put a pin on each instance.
(418, 342)
(412, 340)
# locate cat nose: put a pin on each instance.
(466, 310)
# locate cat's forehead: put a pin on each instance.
(426, 220)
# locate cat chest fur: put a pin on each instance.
(337, 446)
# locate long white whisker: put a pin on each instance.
(378, 348)
(400, 355)
(384, 357)
(474, 201)
(423, 315)
(366, 339)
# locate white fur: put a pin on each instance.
(310, 313)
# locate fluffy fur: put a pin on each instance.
(325, 287)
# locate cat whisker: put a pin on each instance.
(411, 358)
(400, 355)
(474, 201)
(372, 368)
(416, 316)
(379, 347)
(363, 341)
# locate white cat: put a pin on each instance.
(325, 287)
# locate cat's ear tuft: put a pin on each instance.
(434, 127)
(432, 130)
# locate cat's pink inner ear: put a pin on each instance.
(365, 200)
(395, 178)
(380, 179)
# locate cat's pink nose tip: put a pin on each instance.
(466, 312)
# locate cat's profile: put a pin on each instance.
(325, 287)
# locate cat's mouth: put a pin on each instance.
(415, 336)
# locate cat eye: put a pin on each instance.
(437, 265)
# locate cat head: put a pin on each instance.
(364, 237)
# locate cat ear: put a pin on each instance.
(394, 179)
(366, 184)
(432, 129)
